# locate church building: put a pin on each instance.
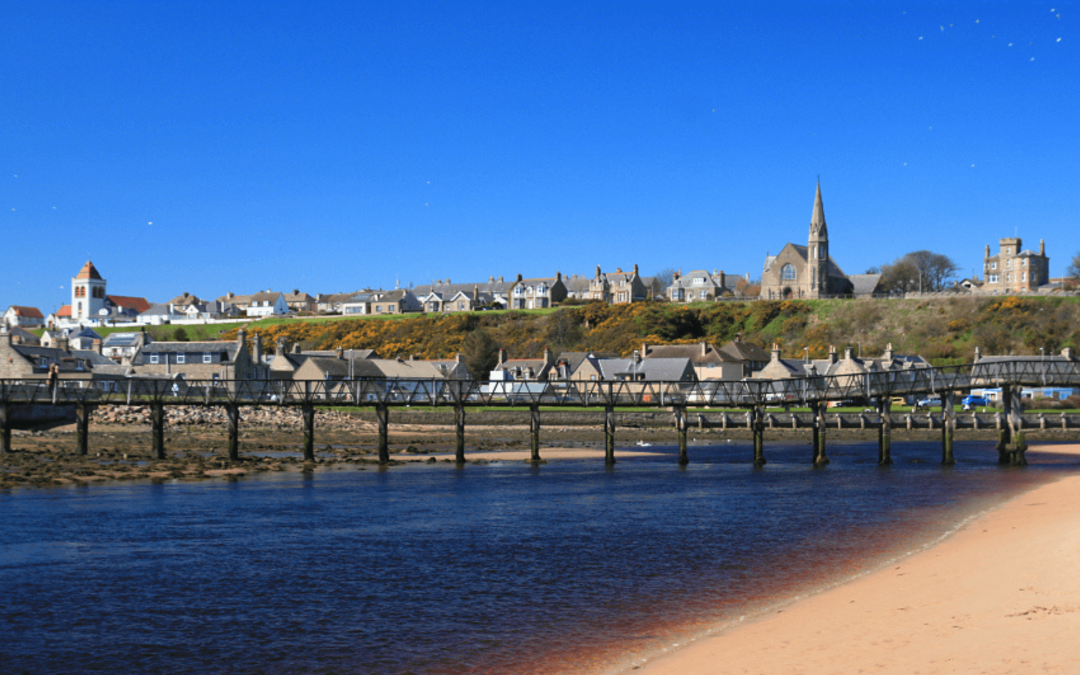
(809, 271)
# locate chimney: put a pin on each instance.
(282, 345)
(618, 270)
(987, 254)
(459, 358)
(549, 358)
(597, 271)
(414, 357)
(62, 343)
(502, 355)
(1042, 247)
(97, 345)
(833, 357)
(644, 349)
(637, 356)
(635, 269)
(558, 276)
(1067, 353)
(704, 349)
(241, 336)
(476, 292)
(978, 354)
(888, 352)
(296, 291)
(775, 353)
(500, 279)
(847, 353)
(491, 280)
(256, 347)
(296, 348)
(519, 276)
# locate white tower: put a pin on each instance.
(87, 294)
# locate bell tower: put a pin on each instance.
(87, 293)
(817, 250)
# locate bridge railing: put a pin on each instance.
(864, 386)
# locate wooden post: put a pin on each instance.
(5, 427)
(383, 415)
(307, 410)
(948, 428)
(759, 436)
(1004, 431)
(822, 457)
(232, 412)
(680, 425)
(459, 419)
(815, 443)
(82, 427)
(157, 432)
(534, 433)
(885, 432)
(609, 435)
(1018, 447)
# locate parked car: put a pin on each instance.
(974, 402)
(929, 402)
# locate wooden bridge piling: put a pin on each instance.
(609, 435)
(821, 457)
(948, 428)
(382, 414)
(232, 414)
(758, 424)
(459, 423)
(5, 427)
(307, 413)
(534, 433)
(82, 428)
(885, 432)
(157, 430)
(680, 425)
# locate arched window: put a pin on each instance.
(788, 272)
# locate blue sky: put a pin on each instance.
(329, 146)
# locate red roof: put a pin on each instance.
(140, 305)
(88, 271)
(64, 311)
(29, 312)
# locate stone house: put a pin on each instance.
(618, 287)
(122, 347)
(634, 369)
(17, 315)
(202, 360)
(577, 287)
(850, 365)
(538, 293)
(491, 293)
(301, 303)
(1014, 270)
(709, 362)
(523, 370)
(753, 357)
(27, 361)
(20, 335)
(698, 286)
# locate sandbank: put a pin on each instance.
(1001, 595)
(546, 454)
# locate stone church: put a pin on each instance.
(809, 271)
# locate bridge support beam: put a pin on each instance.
(1005, 431)
(534, 433)
(948, 428)
(5, 427)
(680, 424)
(232, 413)
(821, 457)
(758, 425)
(1017, 449)
(459, 422)
(885, 432)
(609, 435)
(82, 428)
(157, 430)
(382, 414)
(307, 411)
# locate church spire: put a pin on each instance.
(817, 221)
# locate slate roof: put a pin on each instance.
(158, 309)
(745, 351)
(692, 352)
(26, 336)
(230, 348)
(185, 299)
(864, 284)
(653, 370)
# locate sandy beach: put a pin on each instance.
(1002, 595)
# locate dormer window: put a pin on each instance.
(153, 358)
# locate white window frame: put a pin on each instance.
(181, 358)
(207, 358)
(154, 358)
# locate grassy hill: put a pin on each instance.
(943, 330)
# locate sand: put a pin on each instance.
(546, 454)
(1002, 595)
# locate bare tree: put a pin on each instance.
(918, 271)
(1073, 270)
(665, 277)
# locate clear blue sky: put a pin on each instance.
(328, 146)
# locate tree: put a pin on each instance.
(1073, 270)
(180, 335)
(918, 271)
(665, 277)
(480, 353)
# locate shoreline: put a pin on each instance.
(998, 594)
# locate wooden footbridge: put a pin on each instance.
(874, 389)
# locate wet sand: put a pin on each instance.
(1001, 595)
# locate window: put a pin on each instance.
(206, 358)
(993, 265)
(153, 358)
(1008, 264)
(1023, 276)
(993, 278)
(1024, 262)
(181, 358)
(788, 273)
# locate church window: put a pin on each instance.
(821, 251)
(788, 272)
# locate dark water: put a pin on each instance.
(500, 568)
